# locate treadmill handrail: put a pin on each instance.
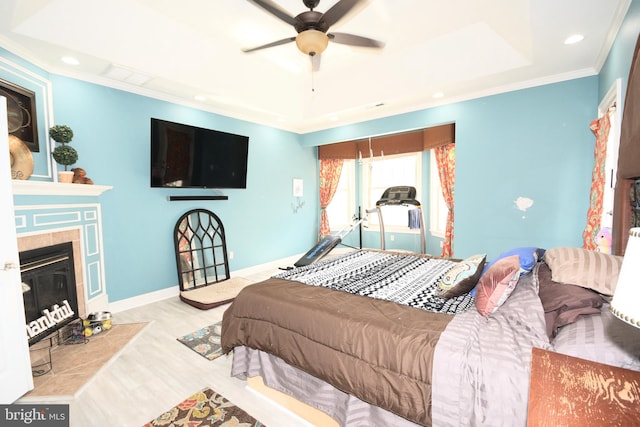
(388, 202)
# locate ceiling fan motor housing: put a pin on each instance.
(311, 4)
(310, 20)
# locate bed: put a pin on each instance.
(382, 338)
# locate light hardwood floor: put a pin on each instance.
(155, 372)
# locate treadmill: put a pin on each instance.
(392, 196)
(400, 196)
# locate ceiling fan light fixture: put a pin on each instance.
(312, 42)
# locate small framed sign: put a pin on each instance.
(298, 187)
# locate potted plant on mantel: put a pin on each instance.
(63, 154)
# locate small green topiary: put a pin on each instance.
(61, 133)
(63, 154)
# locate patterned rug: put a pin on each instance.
(205, 341)
(205, 408)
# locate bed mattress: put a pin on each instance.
(376, 350)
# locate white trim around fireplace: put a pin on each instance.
(36, 222)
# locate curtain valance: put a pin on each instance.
(399, 143)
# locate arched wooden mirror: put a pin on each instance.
(201, 249)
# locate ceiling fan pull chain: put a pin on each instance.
(313, 75)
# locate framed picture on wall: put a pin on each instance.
(21, 113)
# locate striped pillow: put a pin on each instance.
(589, 269)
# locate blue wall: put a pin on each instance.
(112, 133)
(532, 143)
(618, 63)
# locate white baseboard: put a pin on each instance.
(144, 299)
(257, 269)
(174, 291)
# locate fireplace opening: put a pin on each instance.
(49, 289)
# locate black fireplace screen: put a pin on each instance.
(49, 289)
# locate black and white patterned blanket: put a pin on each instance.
(401, 278)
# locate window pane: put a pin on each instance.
(385, 172)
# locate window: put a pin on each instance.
(437, 207)
(609, 106)
(342, 207)
(380, 173)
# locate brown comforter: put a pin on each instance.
(378, 351)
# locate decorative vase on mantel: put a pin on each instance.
(65, 176)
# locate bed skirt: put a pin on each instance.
(342, 407)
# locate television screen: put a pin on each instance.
(184, 156)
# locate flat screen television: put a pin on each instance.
(184, 156)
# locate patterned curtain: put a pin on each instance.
(446, 160)
(600, 127)
(330, 171)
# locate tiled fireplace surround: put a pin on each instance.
(44, 217)
(53, 238)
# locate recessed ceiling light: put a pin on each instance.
(573, 39)
(438, 95)
(334, 118)
(200, 98)
(70, 60)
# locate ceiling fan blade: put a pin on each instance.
(341, 9)
(272, 44)
(275, 10)
(353, 40)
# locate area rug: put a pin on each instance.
(205, 408)
(74, 366)
(205, 341)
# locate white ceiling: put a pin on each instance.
(461, 48)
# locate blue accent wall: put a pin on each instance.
(112, 135)
(618, 63)
(533, 144)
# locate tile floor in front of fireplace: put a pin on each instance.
(155, 372)
(66, 369)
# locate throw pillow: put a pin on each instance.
(564, 304)
(462, 277)
(496, 284)
(529, 256)
(589, 269)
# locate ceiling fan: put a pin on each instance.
(312, 27)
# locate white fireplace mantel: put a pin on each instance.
(46, 188)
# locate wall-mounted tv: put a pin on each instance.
(184, 156)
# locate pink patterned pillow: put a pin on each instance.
(496, 284)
